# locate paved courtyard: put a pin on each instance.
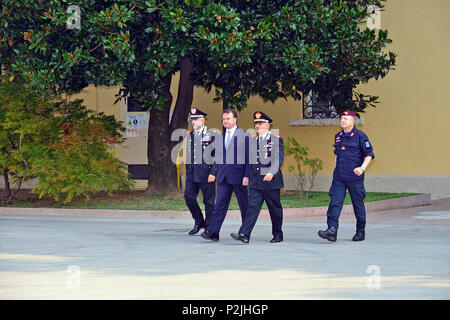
(94, 256)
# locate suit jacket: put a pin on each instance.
(198, 166)
(235, 160)
(266, 157)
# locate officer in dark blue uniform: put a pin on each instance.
(353, 152)
(265, 179)
(198, 171)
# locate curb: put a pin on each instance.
(374, 206)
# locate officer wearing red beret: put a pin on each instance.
(353, 152)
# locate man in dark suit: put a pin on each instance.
(198, 171)
(232, 173)
(266, 179)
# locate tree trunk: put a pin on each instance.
(162, 171)
(185, 95)
(7, 186)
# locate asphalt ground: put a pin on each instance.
(87, 255)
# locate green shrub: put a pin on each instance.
(61, 143)
(305, 169)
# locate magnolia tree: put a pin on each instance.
(273, 49)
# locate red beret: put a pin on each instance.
(347, 113)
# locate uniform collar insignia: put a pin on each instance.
(352, 133)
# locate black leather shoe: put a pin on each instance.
(240, 236)
(196, 229)
(330, 234)
(276, 239)
(359, 236)
(210, 236)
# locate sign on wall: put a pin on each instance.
(134, 123)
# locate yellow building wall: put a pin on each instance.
(410, 126)
(101, 99)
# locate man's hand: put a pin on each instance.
(358, 171)
(245, 181)
(211, 178)
(268, 177)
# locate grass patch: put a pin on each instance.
(139, 201)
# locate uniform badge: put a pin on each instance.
(343, 146)
(367, 144)
(193, 110)
(268, 147)
(258, 115)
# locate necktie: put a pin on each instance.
(227, 139)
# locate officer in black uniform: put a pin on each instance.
(265, 179)
(199, 173)
(353, 152)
